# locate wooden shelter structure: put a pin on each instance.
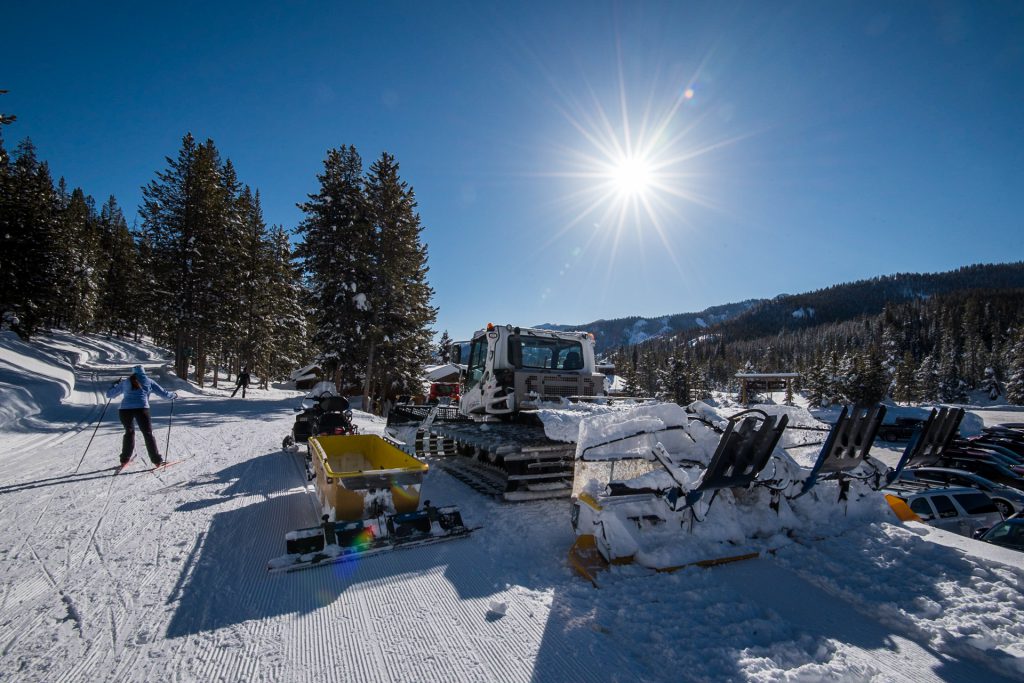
(764, 381)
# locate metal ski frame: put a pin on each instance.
(741, 454)
(846, 447)
(929, 443)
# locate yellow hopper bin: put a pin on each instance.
(356, 473)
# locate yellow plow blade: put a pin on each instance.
(586, 559)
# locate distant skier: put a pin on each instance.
(136, 388)
(242, 382)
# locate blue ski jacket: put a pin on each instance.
(137, 398)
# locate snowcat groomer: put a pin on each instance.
(510, 373)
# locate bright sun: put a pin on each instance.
(631, 176)
(633, 172)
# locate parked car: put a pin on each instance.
(960, 510)
(1008, 533)
(1007, 500)
(1010, 440)
(899, 430)
(990, 470)
(988, 455)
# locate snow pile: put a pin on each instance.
(29, 379)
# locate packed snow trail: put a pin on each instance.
(149, 576)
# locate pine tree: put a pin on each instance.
(871, 380)
(255, 308)
(904, 383)
(170, 217)
(990, 384)
(952, 388)
(398, 299)
(193, 228)
(675, 382)
(76, 269)
(30, 252)
(631, 382)
(338, 258)
(816, 383)
(444, 347)
(834, 380)
(288, 321)
(927, 380)
(1015, 374)
(120, 273)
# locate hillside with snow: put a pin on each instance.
(157, 575)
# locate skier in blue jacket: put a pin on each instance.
(136, 388)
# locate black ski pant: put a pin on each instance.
(240, 386)
(141, 415)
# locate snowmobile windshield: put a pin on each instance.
(526, 351)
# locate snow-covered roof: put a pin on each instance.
(438, 372)
(766, 375)
(307, 372)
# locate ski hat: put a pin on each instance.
(139, 371)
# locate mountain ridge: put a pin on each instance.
(753, 318)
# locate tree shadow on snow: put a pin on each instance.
(211, 411)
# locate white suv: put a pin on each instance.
(960, 510)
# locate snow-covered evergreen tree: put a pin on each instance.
(868, 381)
(399, 313)
(904, 389)
(30, 252)
(927, 380)
(120, 273)
(675, 382)
(816, 383)
(444, 347)
(75, 271)
(1015, 373)
(990, 384)
(952, 387)
(339, 260)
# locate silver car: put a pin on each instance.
(1007, 500)
(960, 510)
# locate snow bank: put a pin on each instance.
(31, 377)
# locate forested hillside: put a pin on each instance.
(913, 338)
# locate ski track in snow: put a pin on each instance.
(153, 576)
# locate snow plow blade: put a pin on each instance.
(586, 559)
(334, 542)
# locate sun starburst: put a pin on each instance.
(637, 166)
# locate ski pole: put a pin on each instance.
(98, 421)
(167, 446)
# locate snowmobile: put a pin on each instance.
(369, 493)
(510, 373)
(320, 412)
(648, 496)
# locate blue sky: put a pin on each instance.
(782, 147)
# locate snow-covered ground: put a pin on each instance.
(162, 576)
